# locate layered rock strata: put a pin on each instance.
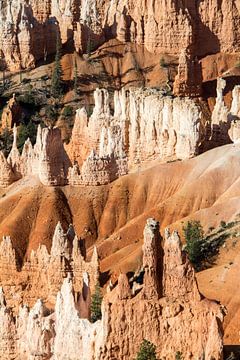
(42, 274)
(167, 309)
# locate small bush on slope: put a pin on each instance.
(147, 351)
(96, 313)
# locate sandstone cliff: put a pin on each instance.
(28, 29)
(167, 309)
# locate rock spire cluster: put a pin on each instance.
(167, 309)
(144, 127)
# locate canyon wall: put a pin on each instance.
(129, 133)
(28, 28)
(166, 308)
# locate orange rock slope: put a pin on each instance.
(113, 216)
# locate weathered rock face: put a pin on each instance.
(47, 159)
(6, 173)
(28, 29)
(168, 310)
(98, 170)
(42, 274)
(188, 81)
(11, 114)
(145, 126)
(161, 319)
(225, 123)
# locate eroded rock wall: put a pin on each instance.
(41, 275)
(145, 126)
(167, 309)
(28, 29)
(47, 159)
(225, 122)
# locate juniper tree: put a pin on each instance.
(96, 302)
(57, 83)
(147, 351)
(193, 232)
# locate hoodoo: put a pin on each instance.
(119, 122)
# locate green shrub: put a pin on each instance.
(6, 141)
(96, 302)
(51, 115)
(178, 356)
(223, 224)
(147, 351)
(67, 111)
(57, 83)
(201, 249)
(193, 232)
(163, 63)
(26, 131)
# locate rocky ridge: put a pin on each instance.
(168, 299)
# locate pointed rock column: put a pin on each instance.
(6, 173)
(7, 331)
(152, 258)
(60, 258)
(123, 289)
(179, 276)
(14, 157)
(234, 116)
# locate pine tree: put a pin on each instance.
(96, 313)
(6, 140)
(193, 232)
(57, 84)
(147, 351)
